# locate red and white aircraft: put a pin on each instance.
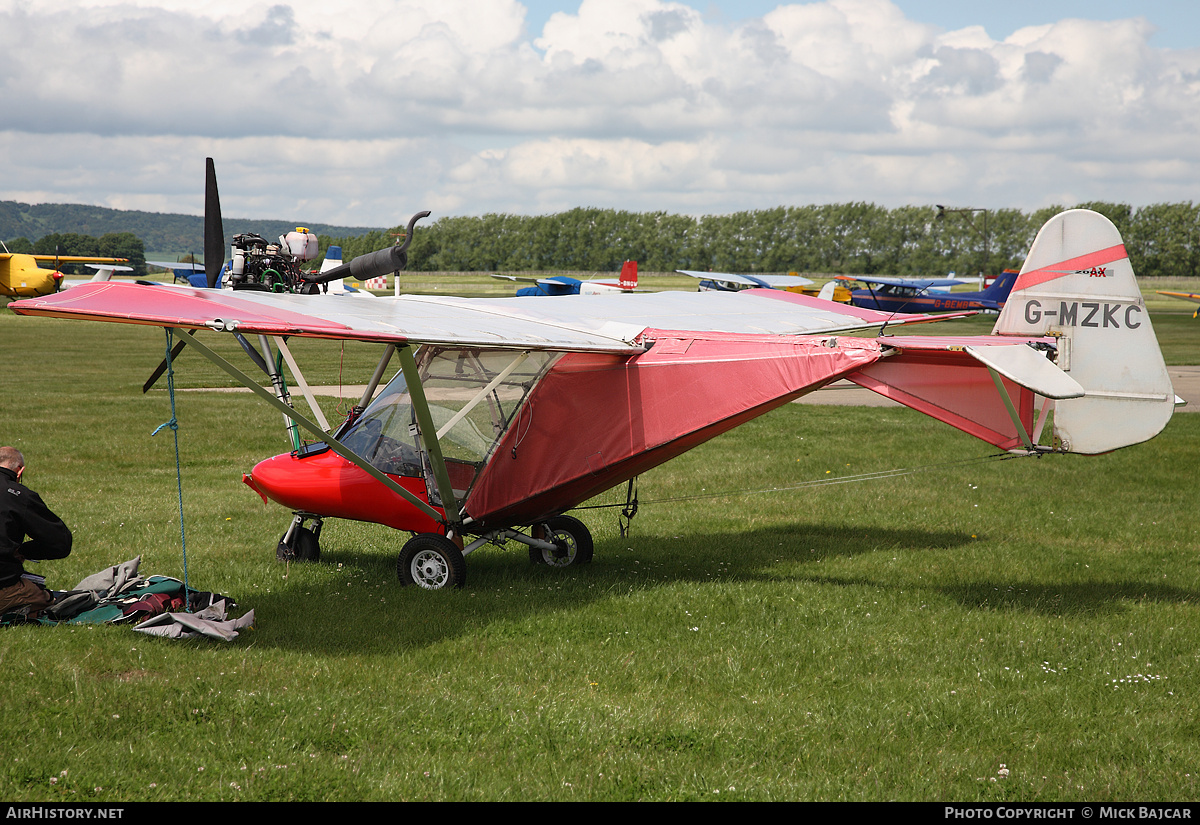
(476, 439)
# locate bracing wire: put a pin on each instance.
(173, 424)
(821, 482)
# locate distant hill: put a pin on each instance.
(162, 233)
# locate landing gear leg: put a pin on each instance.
(300, 543)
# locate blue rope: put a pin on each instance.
(174, 425)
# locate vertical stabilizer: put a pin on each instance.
(333, 259)
(629, 275)
(1078, 285)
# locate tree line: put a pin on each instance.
(111, 245)
(848, 238)
(1163, 240)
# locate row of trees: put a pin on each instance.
(849, 238)
(1163, 240)
(112, 245)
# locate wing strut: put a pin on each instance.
(482, 394)
(335, 445)
(304, 388)
(1012, 410)
(429, 437)
(281, 390)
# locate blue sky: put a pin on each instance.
(471, 106)
(1178, 21)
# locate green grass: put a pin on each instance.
(898, 639)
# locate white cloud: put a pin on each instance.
(368, 110)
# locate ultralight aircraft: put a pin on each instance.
(476, 439)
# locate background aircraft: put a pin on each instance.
(728, 282)
(565, 285)
(191, 274)
(21, 277)
(104, 272)
(908, 295)
(476, 440)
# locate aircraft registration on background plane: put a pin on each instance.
(506, 413)
(21, 277)
(916, 295)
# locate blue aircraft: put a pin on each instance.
(908, 295)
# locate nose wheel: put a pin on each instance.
(300, 543)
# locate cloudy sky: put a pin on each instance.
(362, 112)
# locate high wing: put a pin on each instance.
(74, 259)
(182, 266)
(606, 323)
(750, 281)
(914, 283)
(1183, 296)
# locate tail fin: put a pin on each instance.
(333, 259)
(629, 275)
(1078, 285)
(995, 295)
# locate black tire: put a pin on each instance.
(303, 547)
(573, 540)
(431, 561)
(307, 546)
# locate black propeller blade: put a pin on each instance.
(214, 229)
(162, 367)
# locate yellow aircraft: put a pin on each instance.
(21, 277)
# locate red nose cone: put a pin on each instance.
(326, 484)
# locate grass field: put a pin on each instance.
(1026, 629)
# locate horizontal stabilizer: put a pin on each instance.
(1028, 368)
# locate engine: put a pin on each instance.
(272, 267)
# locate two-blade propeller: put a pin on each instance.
(214, 228)
(371, 265)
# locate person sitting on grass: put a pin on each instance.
(28, 530)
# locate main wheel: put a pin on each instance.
(304, 546)
(431, 561)
(572, 542)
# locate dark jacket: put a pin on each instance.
(27, 529)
